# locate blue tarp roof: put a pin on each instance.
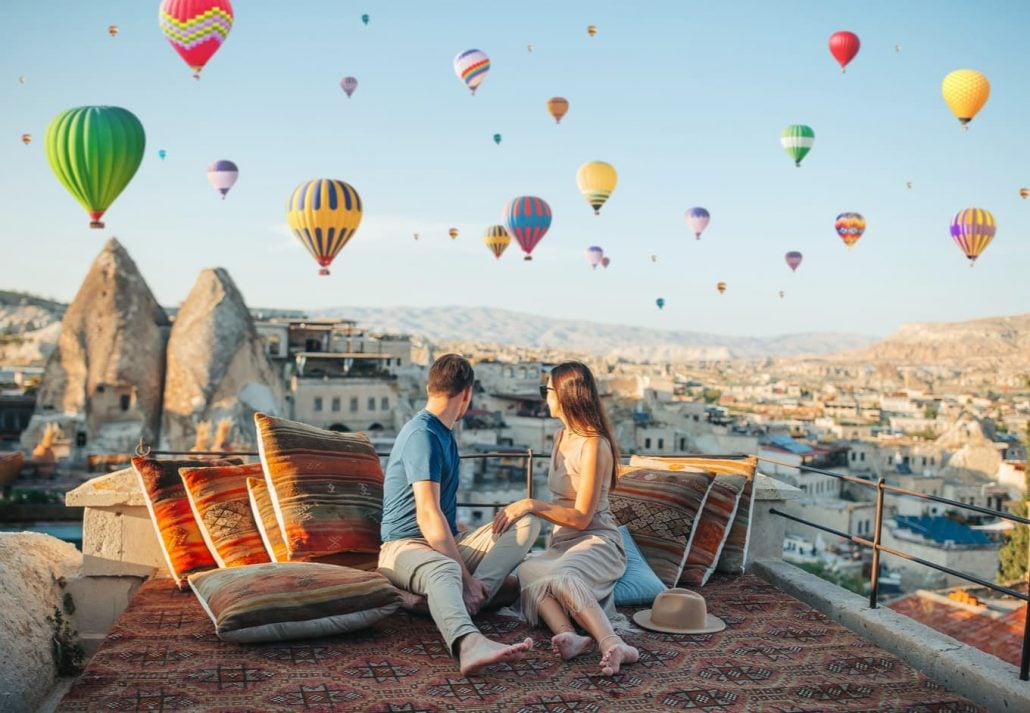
(903, 469)
(941, 529)
(789, 444)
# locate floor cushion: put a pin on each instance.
(264, 517)
(221, 505)
(638, 585)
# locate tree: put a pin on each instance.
(1012, 564)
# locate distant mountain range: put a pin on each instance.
(518, 329)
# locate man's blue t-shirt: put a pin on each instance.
(425, 449)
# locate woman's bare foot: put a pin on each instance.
(476, 651)
(569, 644)
(619, 653)
(415, 603)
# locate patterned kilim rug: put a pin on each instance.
(777, 654)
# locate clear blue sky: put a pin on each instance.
(685, 99)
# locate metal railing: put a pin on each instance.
(877, 547)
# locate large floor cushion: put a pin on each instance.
(326, 488)
(712, 529)
(660, 509)
(221, 506)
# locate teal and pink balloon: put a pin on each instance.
(595, 255)
(697, 220)
(527, 219)
(95, 151)
(222, 175)
(497, 139)
(365, 18)
(471, 66)
(973, 230)
(161, 153)
(797, 140)
(793, 259)
(348, 84)
(660, 302)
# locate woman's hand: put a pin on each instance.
(510, 513)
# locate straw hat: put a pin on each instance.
(679, 611)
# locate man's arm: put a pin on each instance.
(437, 532)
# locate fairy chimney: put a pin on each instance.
(217, 367)
(104, 379)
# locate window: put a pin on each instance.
(273, 345)
(371, 403)
(683, 444)
(905, 460)
(398, 361)
(853, 456)
(384, 404)
(890, 460)
(861, 456)
(661, 443)
(126, 402)
(336, 404)
(647, 443)
(924, 460)
(353, 404)
(318, 403)
(931, 460)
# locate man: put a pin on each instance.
(423, 551)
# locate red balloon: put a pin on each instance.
(844, 46)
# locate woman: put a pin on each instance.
(575, 577)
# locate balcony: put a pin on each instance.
(793, 642)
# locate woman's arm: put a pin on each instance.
(577, 517)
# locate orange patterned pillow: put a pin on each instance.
(177, 531)
(326, 488)
(264, 516)
(221, 506)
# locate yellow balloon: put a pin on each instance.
(596, 181)
(965, 91)
(496, 239)
(324, 215)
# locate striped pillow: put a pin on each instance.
(660, 509)
(177, 531)
(264, 516)
(734, 551)
(326, 489)
(221, 505)
(292, 600)
(712, 530)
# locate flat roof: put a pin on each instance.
(344, 355)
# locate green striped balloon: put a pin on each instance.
(797, 140)
(95, 151)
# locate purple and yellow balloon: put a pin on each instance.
(973, 230)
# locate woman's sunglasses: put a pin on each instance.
(544, 388)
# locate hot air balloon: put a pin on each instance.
(908, 184)
(557, 107)
(453, 232)
(793, 259)
(605, 262)
(222, 176)
(781, 294)
(416, 236)
(365, 19)
(1024, 192)
(527, 218)
(721, 286)
(21, 79)
(897, 49)
(94, 151)
(594, 256)
(26, 139)
(324, 214)
(471, 67)
(850, 227)
(596, 181)
(965, 91)
(497, 240)
(697, 220)
(591, 30)
(660, 302)
(972, 230)
(348, 85)
(161, 153)
(529, 48)
(654, 258)
(195, 28)
(497, 139)
(112, 30)
(797, 140)
(844, 46)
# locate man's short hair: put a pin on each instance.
(450, 375)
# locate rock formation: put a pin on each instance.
(33, 567)
(217, 367)
(974, 458)
(104, 379)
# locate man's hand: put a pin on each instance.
(475, 593)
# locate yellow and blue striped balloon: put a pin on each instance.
(324, 214)
(596, 181)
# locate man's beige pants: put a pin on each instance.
(413, 565)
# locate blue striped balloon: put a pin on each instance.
(527, 219)
(324, 214)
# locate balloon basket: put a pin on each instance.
(324, 271)
(528, 257)
(96, 224)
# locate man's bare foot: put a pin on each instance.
(415, 603)
(569, 644)
(506, 595)
(619, 653)
(477, 651)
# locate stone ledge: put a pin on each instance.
(768, 488)
(977, 675)
(118, 488)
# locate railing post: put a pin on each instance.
(1024, 659)
(529, 473)
(874, 575)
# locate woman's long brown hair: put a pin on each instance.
(580, 402)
